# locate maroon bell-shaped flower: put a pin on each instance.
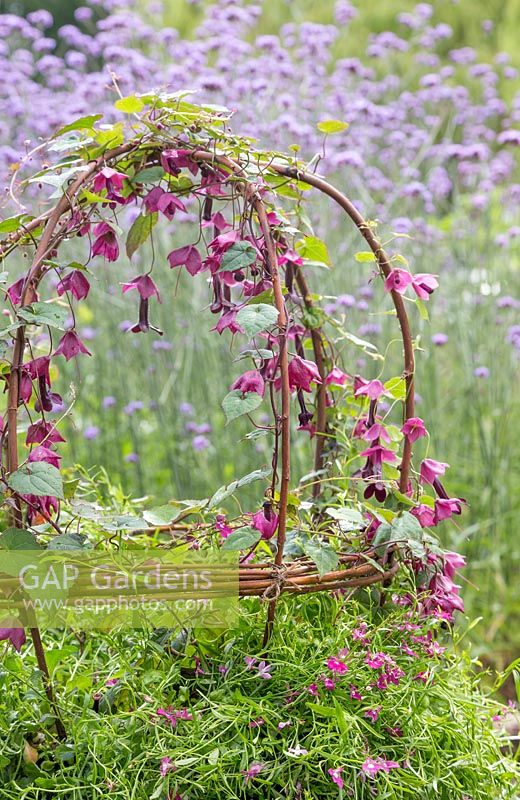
(151, 201)
(43, 432)
(16, 636)
(173, 161)
(187, 256)
(144, 285)
(15, 291)
(109, 179)
(42, 453)
(302, 373)
(105, 243)
(432, 470)
(70, 346)
(413, 429)
(76, 283)
(169, 203)
(250, 381)
(265, 521)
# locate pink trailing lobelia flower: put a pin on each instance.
(167, 766)
(335, 774)
(71, 346)
(371, 766)
(337, 665)
(250, 381)
(252, 771)
(105, 243)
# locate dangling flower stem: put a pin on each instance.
(321, 392)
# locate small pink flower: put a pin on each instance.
(109, 179)
(359, 634)
(431, 470)
(74, 282)
(167, 766)
(398, 280)
(15, 291)
(264, 670)
(169, 203)
(256, 723)
(144, 285)
(105, 243)
(446, 507)
(372, 713)
(372, 389)
(312, 688)
(424, 284)
(378, 454)
(284, 724)
(250, 661)
(375, 432)
(376, 660)
(16, 636)
(337, 666)
(336, 377)
(42, 453)
(329, 684)
(413, 429)
(228, 320)
(302, 373)
(250, 381)
(354, 693)
(222, 527)
(70, 346)
(252, 771)
(425, 515)
(265, 521)
(187, 256)
(371, 766)
(335, 774)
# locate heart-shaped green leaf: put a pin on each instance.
(38, 478)
(241, 539)
(235, 404)
(239, 256)
(257, 317)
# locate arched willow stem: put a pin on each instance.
(384, 264)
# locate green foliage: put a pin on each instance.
(235, 404)
(447, 748)
(38, 478)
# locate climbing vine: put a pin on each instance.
(365, 506)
